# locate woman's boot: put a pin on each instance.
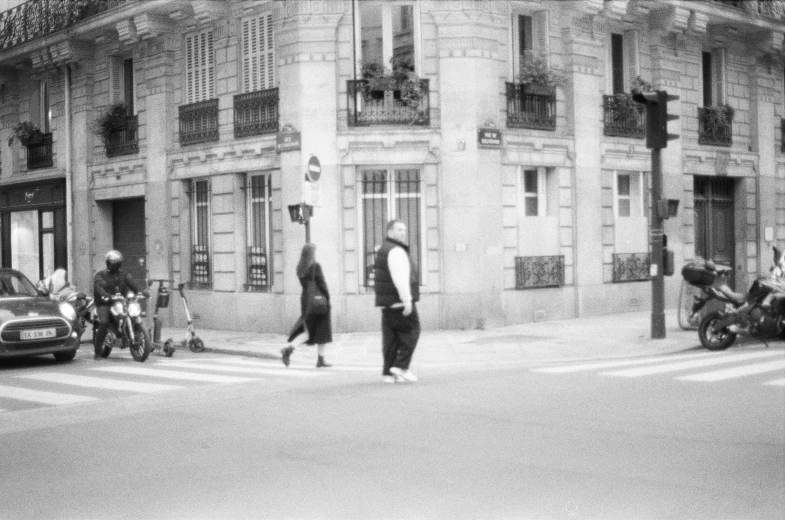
(321, 363)
(286, 353)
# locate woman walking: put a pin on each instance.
(310, 329)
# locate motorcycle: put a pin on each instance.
(126, 329)
(59, 289)
(759, 313)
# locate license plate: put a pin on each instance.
(38, 334)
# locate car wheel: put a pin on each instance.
(66, 356)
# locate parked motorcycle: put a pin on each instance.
(126, 329)
(759, 313)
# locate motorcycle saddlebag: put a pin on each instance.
(698, 274)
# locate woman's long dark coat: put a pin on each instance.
(319, 327)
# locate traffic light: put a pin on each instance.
(657, 117)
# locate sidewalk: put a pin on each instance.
(602, 337)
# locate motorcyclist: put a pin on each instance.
(107, 283)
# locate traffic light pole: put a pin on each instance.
(656, 233)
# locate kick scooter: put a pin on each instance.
(161, 302)
(191, 340)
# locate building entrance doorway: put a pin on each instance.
(714, 230)
(128, 232)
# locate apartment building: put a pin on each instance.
(181, 132)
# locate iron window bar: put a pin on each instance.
(256, 113)
(713, 131)
(385, 107)
(526, 109)
(631, 267)
(124, 141)
(199, 122)
(623, 117)
(532, 272)
(40, 155)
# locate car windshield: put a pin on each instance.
(15, 284)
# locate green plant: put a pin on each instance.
(535, 69)
(115, 118)
(640, 85)
(400, 77)
(720, 114)
(23, 131)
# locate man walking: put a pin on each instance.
(397, 289)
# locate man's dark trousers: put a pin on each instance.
(399, 338)
(103, 326)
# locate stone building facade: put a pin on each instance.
(523, 204)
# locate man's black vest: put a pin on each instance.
(386, 293)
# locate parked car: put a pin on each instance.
(32, 324)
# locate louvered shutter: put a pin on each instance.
(200, 75)
(719, 58)
(540, 30)
(708, 82)
(631, 50)
(617, 63)
(115, 79)
(258, 55)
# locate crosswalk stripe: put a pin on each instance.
(605, 364)
(698, 363)
(277, 364)
(24, 394)
(175, 374)
(97, 382)
(730, 373)
(246, 369)
(776, 382)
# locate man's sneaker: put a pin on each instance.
(388, 379)
(403, 374)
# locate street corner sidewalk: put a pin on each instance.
(596, 337)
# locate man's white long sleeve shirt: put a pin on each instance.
(400, 271)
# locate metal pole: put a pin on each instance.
(307, 222)
(657, 280)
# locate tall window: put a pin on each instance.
(121, 81)
(387, 34)
(623, 61)
(259, 239)
(41, 109)
(258, 53)
(713, 77)
(199, 73)
(200, 216)
(629, 194)
(532, 197)
(390, 193)
(617, 63)
(530, 37)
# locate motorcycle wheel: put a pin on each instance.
(108, 343)
(141, 347)
(714, 340)
(196, 345)
(169, 348)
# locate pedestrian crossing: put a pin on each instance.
(706, 367)
(76, 384)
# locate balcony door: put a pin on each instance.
(714, 229)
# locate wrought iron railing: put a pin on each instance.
(40, 155)
(526, 109)
(256, 113)
(200, 268)
(124, 141)
(623, 117)
(631, 267)
(199, 122)
(258, 270)
(539, 271)
(386, 107)
(714, 130)
(37, 18)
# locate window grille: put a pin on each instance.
(533, 272)
(631, 267)
(259, 233)
(201, 274)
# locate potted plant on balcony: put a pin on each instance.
(719, 115)
(29, 134)
(626, 111)
(115, 118)
(401, 78)
(538, 77)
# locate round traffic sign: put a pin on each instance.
(314, 169)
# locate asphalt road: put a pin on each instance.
(507, 441)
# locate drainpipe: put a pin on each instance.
(69, 231)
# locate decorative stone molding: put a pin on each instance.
(590, 7)
(670, 18)
(615, 9)
(698, 22)
(207, 11)
(150, 25)
(182, 13)
(62, 53)
(126, 31)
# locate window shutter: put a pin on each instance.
(707, 79)
(258, 60)
(115, 79)
(128, 85)
(200, 77)
(249, 35)
(542, 207)
(269, 52)
(719, 59)
(617, 63)
(540, 30)
(631, 49)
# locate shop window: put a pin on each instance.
(259, 276)
(201, 272)
(387, 194)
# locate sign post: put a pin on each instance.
(303, 211)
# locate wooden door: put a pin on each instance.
(714, 230)
(128, 231)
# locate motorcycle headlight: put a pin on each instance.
(117, 308)
(134, 309)
(67, 311)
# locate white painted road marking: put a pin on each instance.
(97, 382)
(730, 373)
(283, 371)
(607, 364)
(685, 365)
(175, 374)
(776, 382)
(23, 394)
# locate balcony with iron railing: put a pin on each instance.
(124, 140)
(713, 128)
(256, 113)
(623, 117)
(533, 272)
(36, 18)
(199, 122)
(386, 107)
(39, 155)
(528, 108)
(631, 267)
